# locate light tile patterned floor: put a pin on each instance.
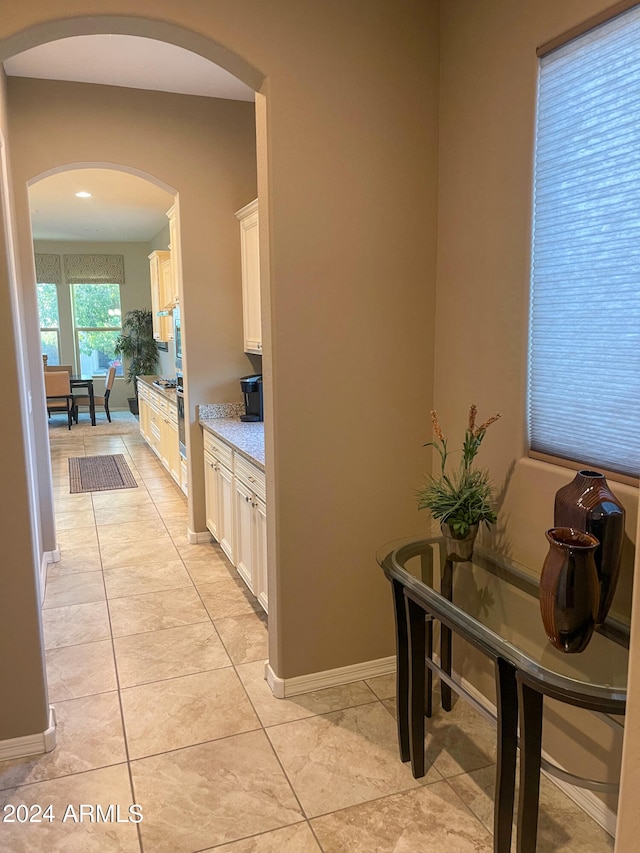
(155, 655)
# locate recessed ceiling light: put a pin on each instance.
(83, 194)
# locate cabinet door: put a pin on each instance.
(243, 543)
(143, 411)
(155, 429)
(225, 519)
(173, 454)
(211, 496)
(154, 275)
(260, 588)
(250, 256)
(184, 483)
(176, 262)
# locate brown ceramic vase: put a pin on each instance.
(588, 504)
(569, 589)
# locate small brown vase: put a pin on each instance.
(569, 589)
(587, 503)
(459, 549)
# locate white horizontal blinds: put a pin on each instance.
(584, 358)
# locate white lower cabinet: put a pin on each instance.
(158, 418)
(236, 512)
(218, 484)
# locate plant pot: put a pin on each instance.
(459, 549)
(133, 405)
(587, 503)
(569, 589)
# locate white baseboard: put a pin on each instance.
(47, 557)
(52, 556)
(21, 747)
(284, 687)
(197, 538)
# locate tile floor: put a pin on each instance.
(155, 658)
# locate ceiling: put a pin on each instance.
(122, 207)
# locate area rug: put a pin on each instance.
(99, 473)
(122, 423)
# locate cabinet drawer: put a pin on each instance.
(218, 448)
(251, 476)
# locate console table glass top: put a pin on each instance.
(499, 604)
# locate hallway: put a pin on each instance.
(155, 657)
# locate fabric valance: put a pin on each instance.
(48, 269)
(94, 269)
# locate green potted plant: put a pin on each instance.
(461, 499)
(137, 344)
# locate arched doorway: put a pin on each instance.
(39, 36)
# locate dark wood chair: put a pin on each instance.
(58, 393)
(83, 400)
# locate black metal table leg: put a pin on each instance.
(402, 670)
(507, 744)
(428, 706)
(416, 626)
(530, 705)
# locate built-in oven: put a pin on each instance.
(181, 420)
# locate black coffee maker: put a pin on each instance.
(252, 390)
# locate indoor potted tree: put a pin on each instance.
(459, 500)
(137, 344)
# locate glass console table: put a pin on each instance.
(494, 606)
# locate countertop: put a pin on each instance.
(245, 438)
(167, 393)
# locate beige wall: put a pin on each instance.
(487, 110)
(23, 710)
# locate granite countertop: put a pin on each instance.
(168, 393)
(247, 438)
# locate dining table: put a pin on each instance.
(81, 381)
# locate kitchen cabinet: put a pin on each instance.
(218, 484)
(144, 411)
(250, 257)
(158, 417)
(184, 482)
(236, 512)
(173, 292)
(161, 289)
(251, 527)
(169, 443)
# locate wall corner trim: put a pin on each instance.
(36, 744)
(284, 687)
(196, 538)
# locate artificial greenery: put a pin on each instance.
(463, 497)
(138, 345)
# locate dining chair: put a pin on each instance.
(58, 393)
(53, 368)
(83, 399)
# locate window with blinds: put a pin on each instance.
(584, 337)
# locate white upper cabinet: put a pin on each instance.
(176, 266)
(250, 250)
(158, 269)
